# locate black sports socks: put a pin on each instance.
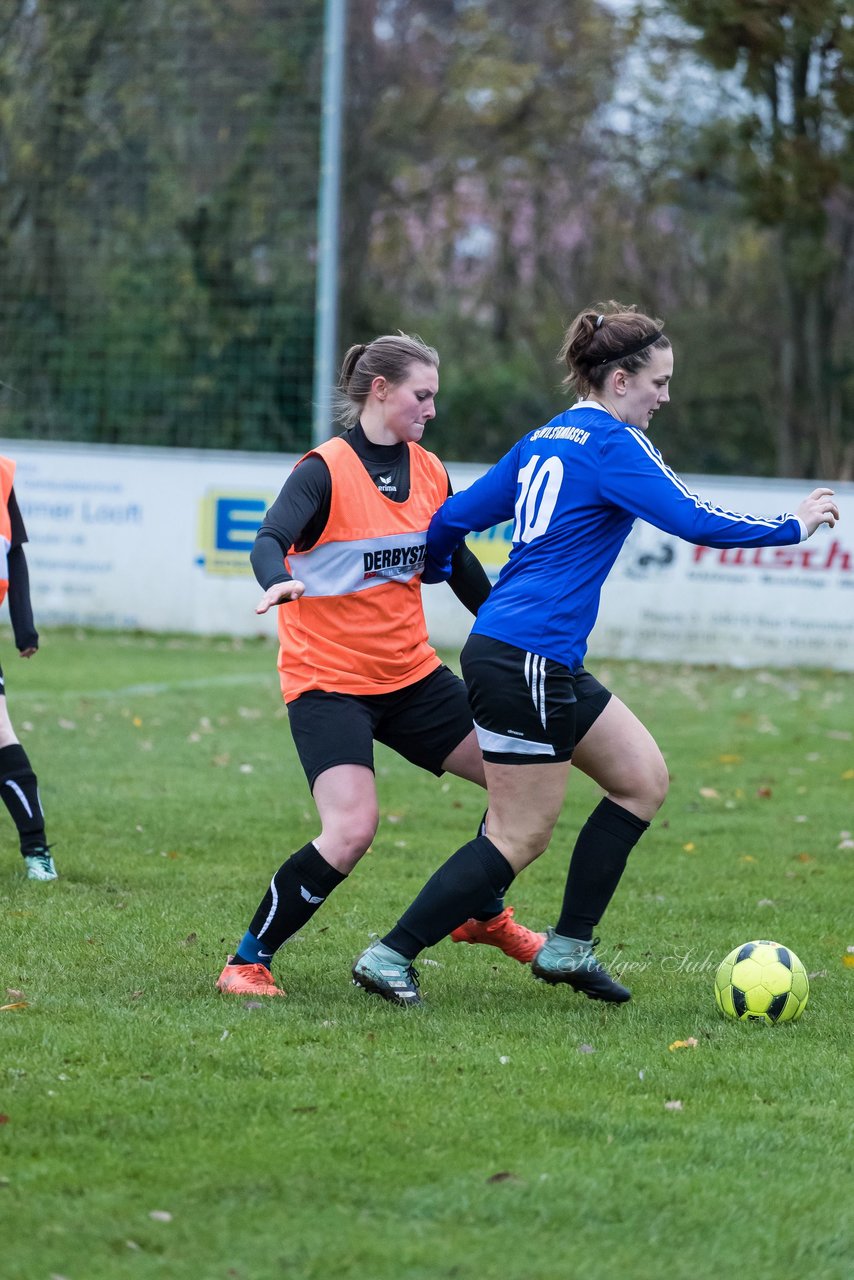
(299, 887)
(19, 789)
(496, 906)
(597, 864)
(475, 874)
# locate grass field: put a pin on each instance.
(505, 1131)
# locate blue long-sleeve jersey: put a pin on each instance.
(573, 489)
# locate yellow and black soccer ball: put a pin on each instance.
(762, 982)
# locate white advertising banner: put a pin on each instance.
(159, 539)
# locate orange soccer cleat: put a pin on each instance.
(248, 980)
(502, 931)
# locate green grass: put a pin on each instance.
(506, 1130)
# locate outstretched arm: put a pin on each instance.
(817, 509)
(637, 479)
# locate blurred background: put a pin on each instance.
(501, 167)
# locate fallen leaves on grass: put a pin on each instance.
(690, 1043)
(15, 993)
(848, 958)
(16, 1004)
(764, 793)
(709, 793)
(586, 1048)
(689, 847)
(673, 1105)
(504, 1176)
(4, 1119)
(160, 1215)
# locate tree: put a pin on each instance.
(158, 177)
(468, 190)
(788, 151)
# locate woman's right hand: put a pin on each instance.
(819, 508)
(280, 593)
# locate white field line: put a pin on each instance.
(141, 690)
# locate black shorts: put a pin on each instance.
(527, 709)
(423, 723)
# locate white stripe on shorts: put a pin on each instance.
(488, 740)
(535, 678)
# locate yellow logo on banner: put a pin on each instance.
(492, 547)
(228, 523)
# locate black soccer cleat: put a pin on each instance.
(556, 964)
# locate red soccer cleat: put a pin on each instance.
(248, 980)
(502, 931)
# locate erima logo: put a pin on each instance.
(309, 897)
(385, 479)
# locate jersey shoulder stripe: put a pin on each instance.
(649, 448)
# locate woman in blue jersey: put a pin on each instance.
(573, 489)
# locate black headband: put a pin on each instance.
(630, 351)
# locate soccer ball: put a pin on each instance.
(762, 982)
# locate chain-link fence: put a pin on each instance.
(158, 191)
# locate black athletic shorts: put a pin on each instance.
(527, 709)
(423, 723)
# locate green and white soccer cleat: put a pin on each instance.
(385, 973)
(40, 866)
(561, 960)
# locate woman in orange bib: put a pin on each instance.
(19, 788)
(342, 551)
